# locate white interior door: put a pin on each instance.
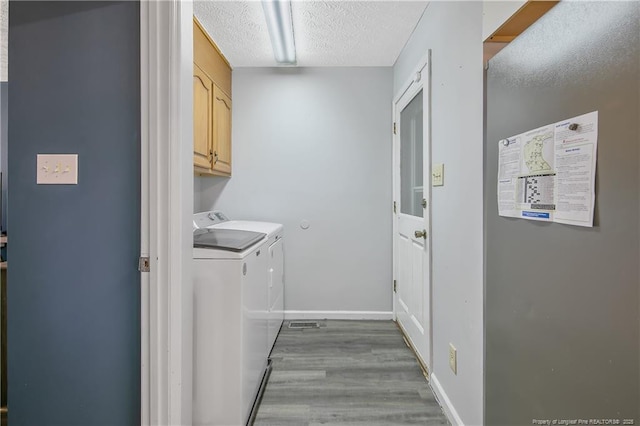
(166, 94)
(412, 181)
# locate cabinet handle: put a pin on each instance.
(215, 157)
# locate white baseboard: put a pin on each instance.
(339, 315)
(447, 406)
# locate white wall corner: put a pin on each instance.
(456, 66)
(445, 402)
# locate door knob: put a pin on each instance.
(421, 234)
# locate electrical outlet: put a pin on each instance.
(453, 359)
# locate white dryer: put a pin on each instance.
(275, 264)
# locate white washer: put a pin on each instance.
(275, 270)
(229, 346)
(238, 311)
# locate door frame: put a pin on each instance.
(420, 80)
(166, 187)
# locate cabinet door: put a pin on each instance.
(202, 114)
(221, 131)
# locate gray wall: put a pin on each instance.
(74, 302)
(562, 334)
(4, 103)
(456, 207)
(315, 144)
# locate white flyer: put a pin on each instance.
(548, 174)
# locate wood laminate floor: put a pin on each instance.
(346, 373)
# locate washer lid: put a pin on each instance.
(226, 239)
(244, 225)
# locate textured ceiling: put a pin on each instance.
(327, 33)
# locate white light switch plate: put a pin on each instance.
(57, 169)
(437, 174)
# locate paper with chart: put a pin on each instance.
(548, 173)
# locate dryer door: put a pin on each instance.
(276, 290)
(254, 326)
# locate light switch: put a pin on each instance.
(437, 174)
(57, 169)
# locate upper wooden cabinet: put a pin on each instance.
(211, 106)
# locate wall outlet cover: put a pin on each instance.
(453, 359)
(57, 169)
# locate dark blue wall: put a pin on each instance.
(4, 95)
(74, 291)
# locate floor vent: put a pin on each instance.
(304, 324)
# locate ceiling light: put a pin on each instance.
(280, 24)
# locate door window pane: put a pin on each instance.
(411, 189)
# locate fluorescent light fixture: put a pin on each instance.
(280, 24)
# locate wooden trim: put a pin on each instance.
(529, 13)
(501, 39)
(213, 43)
(209, 172)
(409, 343)
(524, 17)
(209, 58)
